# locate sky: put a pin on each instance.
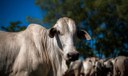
(18, 10)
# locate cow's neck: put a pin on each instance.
(51, 53)
(56, 56)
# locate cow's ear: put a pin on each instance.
(83, 34)
(52, 32)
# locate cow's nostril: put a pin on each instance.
(73, 56)
(69, 55)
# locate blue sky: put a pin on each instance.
(18, 10)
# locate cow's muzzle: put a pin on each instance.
(72, 56)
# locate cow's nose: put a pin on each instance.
(72, 56)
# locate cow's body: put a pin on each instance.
(37, 51)
(21, 53)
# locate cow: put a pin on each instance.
(108, 67)
(75, 69)
(90, 66)
(104, 67)
(120, 66)
(38, 51)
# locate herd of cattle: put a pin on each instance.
(93, 66)
(38, 51)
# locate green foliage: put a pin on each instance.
(13, 27)
(107, 20)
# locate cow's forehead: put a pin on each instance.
(66, 24)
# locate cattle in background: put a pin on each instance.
(121, 66)
(86, 67)
(108, 67)
(89, 65)
(75, 69)
(104, 67)
(93, 66)
(114, 66)
(38, 51)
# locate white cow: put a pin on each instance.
(38, 51)
(120, 66)
(75, 69)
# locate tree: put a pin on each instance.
(106, 19)
(13, 27)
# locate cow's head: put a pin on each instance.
(65, 32)
(89, 65)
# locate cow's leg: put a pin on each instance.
(122, 72)
(114, 72)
